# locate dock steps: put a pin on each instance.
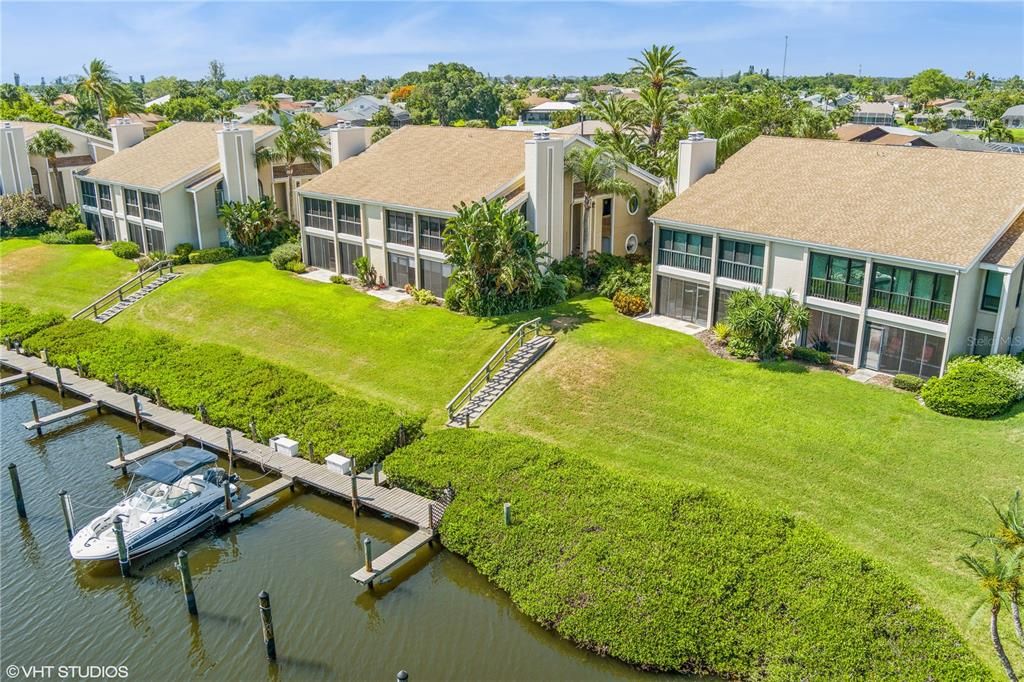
(135, 297)
(255, 497)
(393, 556)
(58, 416)
(148, 451)
(13, 379)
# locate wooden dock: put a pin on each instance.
(62, 415)
(254, 498)
(13, 379)
(148, 451)
(422, 513)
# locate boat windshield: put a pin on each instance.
(155, 497)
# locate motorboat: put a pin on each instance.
(178, 494)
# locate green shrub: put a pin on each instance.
(570, 266)
(421, 296)
(1009, 368)
(24, 214)
(215, 255)
(969, 389)
(296, 266)
(688, 580)
(126, 250)
(85, 236)
(338, 279)
(573, 286)
(810, 355)
(285, 254)
(908, 382)
(634, 279)
(55, 237)
(721, 330)
(66, 219)
(365, 271)
(18, 322)
(740, 346)
(630, 305)
(181, 253)
(232, 386)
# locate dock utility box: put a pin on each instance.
(284, 445)
(338, 463)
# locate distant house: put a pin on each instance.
(901, 102)
(947, 139)
(162, 99)
(858, 132)
(360, 110)
(583, 128)
(819, 102)
(873, 113)
(1014, 117)
(963, 119)
(541, 114)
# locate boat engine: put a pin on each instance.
(217, 476)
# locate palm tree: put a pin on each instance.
(298, 139)
(83, 110)
(994, 578)
(661, 65)
(657, 108)
(618, 112)
(123, 101)
(969, 75)
(1009, 536)
(256, 225)
(49, 143)
(720, 118)
(595, 172)
(9, 93)
(995, 131)
(98, 84)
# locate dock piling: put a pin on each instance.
(231, 450)
(311, 455)
(35, 417)
(430, 515)
(252, 430)
(78, 367)
(367, 555)
(268, 626)
(355, 492)
(117, 382)
(120, 455)
(44, 356)
(376, 473)
(19, 501)
(122, 549)
(137, 404)
(508, 513)
(227, 496)
(186, 583)
(69, 515)
(402, 676)
(156, 397)
(60, 382)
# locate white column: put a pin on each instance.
(1004, 303)
(865, 297)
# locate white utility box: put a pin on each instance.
(338, 463)
(284, 445)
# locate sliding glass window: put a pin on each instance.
(106, 202)
(914, 293)
(349, 219)
(431, 233)
(151, 207)
(686, 250)
(400, 228)
(318, 213)
(836, 278)
(993, 291)
(131, 203)
(89, 194)
(740, 260)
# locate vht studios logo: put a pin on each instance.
(67, 672)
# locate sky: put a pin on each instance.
(348, 39)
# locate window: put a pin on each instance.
(37, 187)
(348, 219)
(218, 195)
(684, 250)
(155, 237)
(320, 252)
(89, 194)
(349, 253)
(151, 207)
(318, 213)
(135, 235)
(400, 228)
(740, 260)
(400, 271)
(606, 226)
(687, 301)
(431, 233)
(633, 205)
(983, 340)
(836, 278)
(901, 351)
(106, 203)
(993, 291)
(722, 303)
(834, 334)
(131, 202)
(108, 233)
(914, 293)
(435, 276)
(92, 221)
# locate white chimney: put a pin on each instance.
(346, 141)
(696, 159)
(545, 190)
(236, 147)
(15, 176)
(126, 133)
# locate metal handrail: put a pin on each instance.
(119, 291)
(516, 339)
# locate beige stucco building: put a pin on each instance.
(22, 171)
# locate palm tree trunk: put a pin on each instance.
(99, 109)
(998, 644)
(58, 180)
(585, 231)
(288, 192)
(1015, 614)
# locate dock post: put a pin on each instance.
(227, 496)
(120, 455)
(117, 382)
(78, 367)
(467, 417)
(268, 625)
(508, 513)
(69, 516)
(138, 410)
(376, 473)
(156, 397)
(19, 501)
(122, 548)
(430, 515)
(311, 455)
(44, 356)
(60, 382)
(355, 493)
(186, 583)
(231, 449)
(252, 430)
(35, 417)
(367, 555)
(402, 676)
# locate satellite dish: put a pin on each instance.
(632, 242)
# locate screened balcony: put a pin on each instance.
(742, 261)
(914, 293)
(684, 250)
(836, 278)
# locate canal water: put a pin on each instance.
(436, 618)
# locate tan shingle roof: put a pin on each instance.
(1009, 250)
(33, 127)
(169, 156)
(936, 205)
(429, 167)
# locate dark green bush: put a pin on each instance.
(675, 577)
(126, 250)
(55, 237)
(969, 389)
(810, 355)
(338, 279)
(215, 255)
(18, 322)
(181, 253)
(85, 236)
(296, 266)
(908, 382)
(23, 214)
(232, 386)
(285, 254)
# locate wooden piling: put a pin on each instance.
(120, 455)
(19, 500)
(508, 513)
(310, 458)
(355, 492)
(78, 367)
(60, 382)
(367, 555)
(69, 516)
(376, 473)
(227, 496)
(186, 583)
(137, 404)
(231, 450)
(252, 430)
(430, 515)
(44, 356)
(403, 676)
(117, 382)
(156, 397)
(268, 626)
(35, 417)
(122, 548)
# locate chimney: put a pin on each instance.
(346, 141)
(236, 148)
(696, 159)
(126, 133)
(545, 189)
(15, 176)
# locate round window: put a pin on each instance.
(633, 205)
(632, 242)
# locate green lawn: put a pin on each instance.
(51, 277)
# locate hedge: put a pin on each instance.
(126, 250)
(285, 254)
(908, 382)
(675, 577)
(232, 386)
(817, 357)
(215, 255)
(971, 389)
(18, 322)
(84, 236)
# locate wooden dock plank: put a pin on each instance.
(13, 379)
(255, 497)
(148, 451)
(393, 556)
(58, 416)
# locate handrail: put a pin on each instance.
(516, 338)
(119, 291)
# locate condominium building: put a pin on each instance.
(391, 202)
(21, 171)
(905, 256)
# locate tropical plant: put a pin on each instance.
(661, 65)
(256, 225)
(299, 138)
(81, 112)
(66, 219)
(996, 131)
(123, 101)
(936, 123)
(765, 321)
(379, 134)
(595, 171)
(996, 578)
(1009, 536)
(23, 213)
(49, 143)
(720, 118)
(98, 83)
(365, 271)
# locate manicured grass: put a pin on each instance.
(58, 277)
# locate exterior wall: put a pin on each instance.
(15, 176)
(208, 230)
(788, 267)
(623, 224)
(964, 320)
(1015, 312)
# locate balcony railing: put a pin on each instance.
(740, 271)
(911, 306)
(836, 291)
(681, 259)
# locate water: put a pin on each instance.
(436, 618)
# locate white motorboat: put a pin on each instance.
(174, 499)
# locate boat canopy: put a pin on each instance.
(169, 467)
